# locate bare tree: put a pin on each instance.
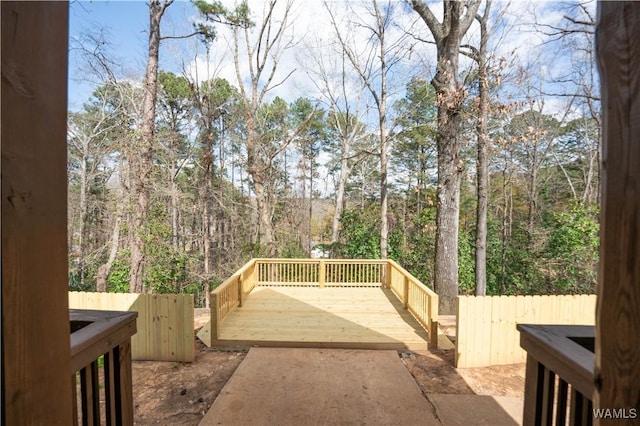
(482, 165)
(481, 56)
(90, 143)
(575, 32)
(372, 66)
(94, 136)
(262, 52)
(457, 18)
(328, 70)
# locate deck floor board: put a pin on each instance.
(356, 318)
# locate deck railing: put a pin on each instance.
(230, 294)
(559, 380)
(415, 296)
(320, 272)
(419, 299)
(101, 361)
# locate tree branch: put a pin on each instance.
(429, 18)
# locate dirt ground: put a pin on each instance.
(167, 393)
(175, 393)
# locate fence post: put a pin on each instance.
(321, 273)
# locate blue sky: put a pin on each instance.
(126, 23)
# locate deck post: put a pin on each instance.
(532, 398)
(386, 275)
(405, 293)
(35, 355)
(214, 316)
(617, 369)
(322, 273)
(125, 391)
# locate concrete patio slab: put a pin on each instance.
(277, 386)
(465, 410)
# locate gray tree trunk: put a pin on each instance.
(482, 165)
(144, 155)
(450, 96)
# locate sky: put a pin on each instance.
(124, 29)
(125, 26)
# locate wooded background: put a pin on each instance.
(176, 179)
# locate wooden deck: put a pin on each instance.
(354, 318)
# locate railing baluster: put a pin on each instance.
(321, 273)
(548, 396)
(110, 388)
(90, 394)
(74, 397)
(561, 405)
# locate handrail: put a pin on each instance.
(421, 301)
(559, 382)
(230, 294)
(102, 336)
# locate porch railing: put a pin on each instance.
(320, 272)
(101, 361)
(421, 301)
(559, 376)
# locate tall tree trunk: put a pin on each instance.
(457, 18)
(206, 246)
(382, 123)
(506, 208)
(266, 235)
(447, 209)
(482, 165)
(82, 225)
(380, 97)
(144, 155)
(174, 208)
(345, 171)
(206, 196)
(262, 58)
(310, 222)
(533, 193)
(102, 274)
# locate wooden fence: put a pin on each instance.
(486, 326)
(165, 322)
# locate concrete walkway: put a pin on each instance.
(276, 386)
